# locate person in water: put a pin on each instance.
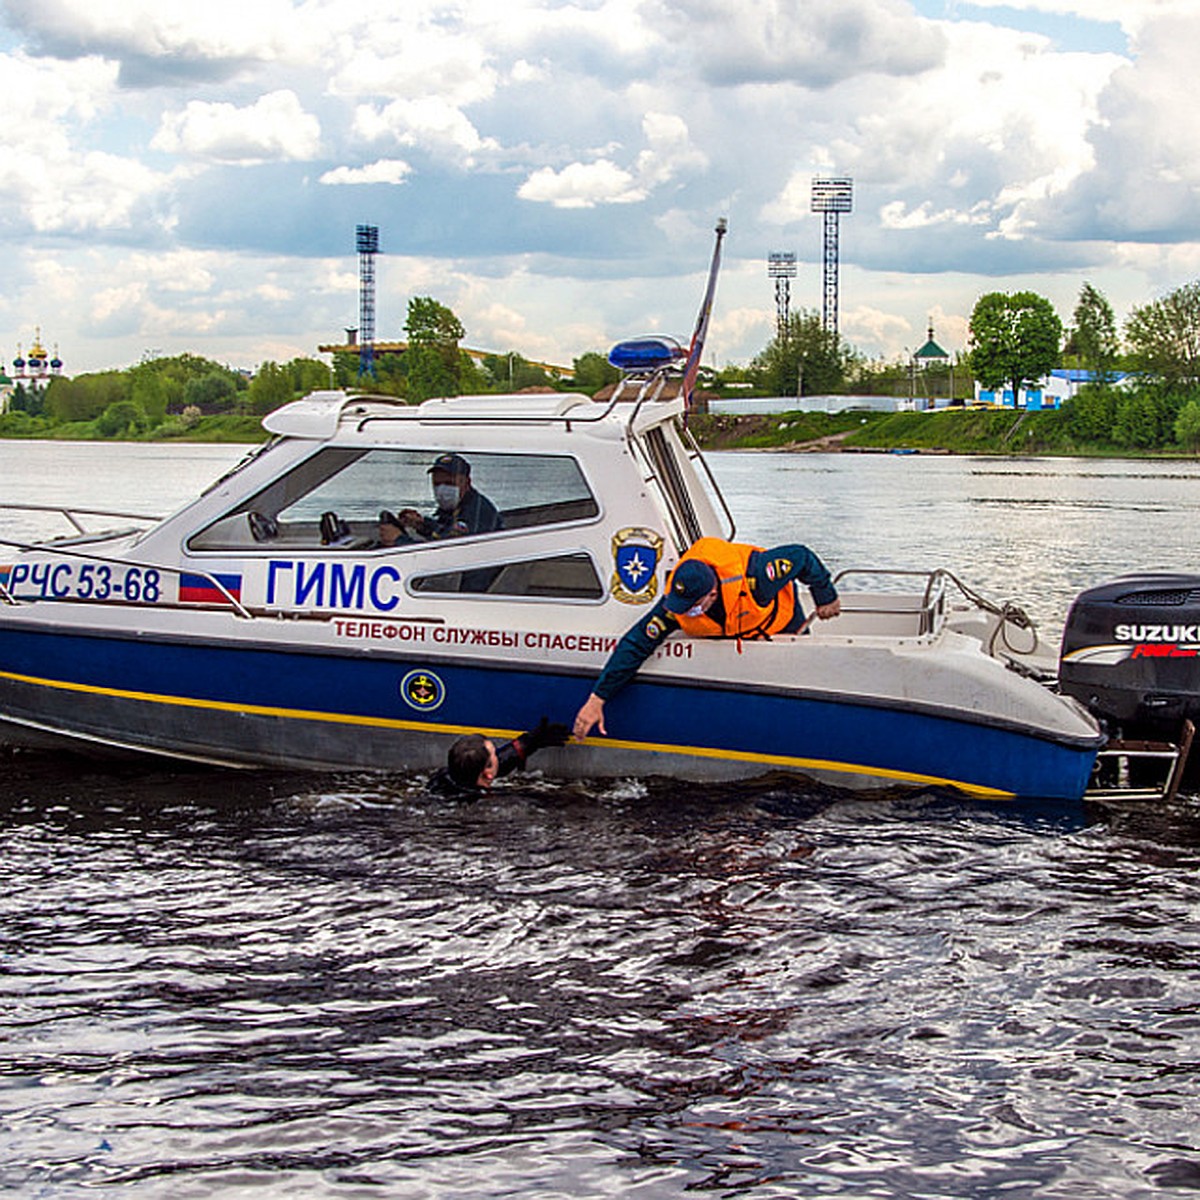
(474, 762)
(461, 510)
(718, 589)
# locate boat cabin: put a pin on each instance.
(587, 501)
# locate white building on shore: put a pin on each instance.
(1051, 391)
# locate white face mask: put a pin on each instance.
(698, 611)
(446, 495)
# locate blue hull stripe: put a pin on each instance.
(804, 734)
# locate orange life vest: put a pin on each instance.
(744, 616)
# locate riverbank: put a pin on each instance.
(956, 431)
(211, 430)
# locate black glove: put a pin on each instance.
(546, 734)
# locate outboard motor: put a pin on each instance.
(1131, 653)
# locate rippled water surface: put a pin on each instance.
(225, 984)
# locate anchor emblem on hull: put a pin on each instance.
(422, 690)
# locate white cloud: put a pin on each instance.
(60, 192)
(383, 170)
(274, 127)
(406, 62)
(430, 123)
(1004, 123)
(161, 41)
(816, 44)
(669, 151)
(585, 185)
(48, 182)
(582, 185)
(518, 139)
(1145, 181)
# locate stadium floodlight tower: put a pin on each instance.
(781, 267)
(367, 240)
(832, 197)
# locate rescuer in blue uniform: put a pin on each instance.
(461, 510)
(719, 589)
(475, 762)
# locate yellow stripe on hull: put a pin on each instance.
(299, 714)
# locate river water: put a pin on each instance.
(226, 985)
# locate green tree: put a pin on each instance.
(214, 392)
(1187, 427)
(808, 360)
(151, 392)
(511, 372)
(1092, 338)
(85, 397)
(123, 418)
(1014, 339)
(270, 388)
(178, 371)
(1091, 413)
(29, 400)
(1164, 337)
(473, 377)
(434, 363)
(1137, 422)
(308, 375)
(593, 371)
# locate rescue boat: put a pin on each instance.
(268, 623)
(238, 631)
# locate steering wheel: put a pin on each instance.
(262, 527)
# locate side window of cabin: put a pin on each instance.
(336, 496)
(562, 576)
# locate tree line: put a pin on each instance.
(1144, 392)
(190, 396)
(1143, 389)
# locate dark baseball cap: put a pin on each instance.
(692, 581)
(454, 463)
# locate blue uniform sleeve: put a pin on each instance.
(772, 570)
(633, 649)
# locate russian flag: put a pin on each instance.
(200, 589)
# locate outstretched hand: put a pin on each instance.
(589, 717)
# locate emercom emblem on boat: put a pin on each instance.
(422, 690)
(636, 552)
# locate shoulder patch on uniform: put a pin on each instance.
(782, 567)
(655, 627)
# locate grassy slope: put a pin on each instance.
(972, 431)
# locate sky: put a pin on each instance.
(180, 176)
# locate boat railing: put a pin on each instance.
(1007, 631)
(48, 548)
(926, 606)
(649, 385)
(74, 514)
(696, 455)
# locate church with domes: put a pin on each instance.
(35, 369)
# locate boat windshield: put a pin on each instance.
(357, 485)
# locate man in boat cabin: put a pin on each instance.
(718, 589)
(475, 762)
(461, 510)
